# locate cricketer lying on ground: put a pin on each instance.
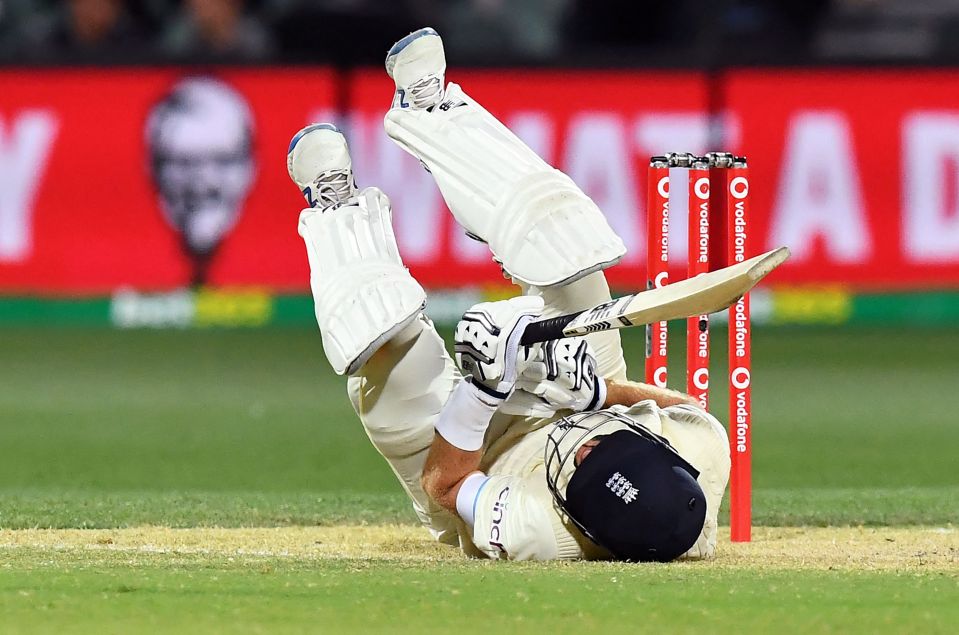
(404, 386)
(630, 495)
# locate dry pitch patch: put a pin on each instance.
(915, 549)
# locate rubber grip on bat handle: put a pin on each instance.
(548, 329)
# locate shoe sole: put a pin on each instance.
(302, 133)
(397, 48)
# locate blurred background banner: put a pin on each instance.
(158, 179)
(856, 171)
(131, 178)
(600, 127)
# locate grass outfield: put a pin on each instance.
(103, 429)
(394, 580)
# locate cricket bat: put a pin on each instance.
(706, 293)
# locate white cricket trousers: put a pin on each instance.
(399, 393)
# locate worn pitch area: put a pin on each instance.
(835, 548)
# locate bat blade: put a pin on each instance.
(707, 293)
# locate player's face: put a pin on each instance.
(586, 448)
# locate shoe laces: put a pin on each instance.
(426, 92)
(334, 186)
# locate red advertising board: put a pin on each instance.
(599, 127)
(855, 171)
(79, 212)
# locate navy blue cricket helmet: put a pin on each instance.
(633, 494)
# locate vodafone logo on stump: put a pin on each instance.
(739, 378)
(701, 379)
(701, 188)
(663, 187)
(739, 187)
(659, 377)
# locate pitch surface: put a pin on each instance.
(392, 579)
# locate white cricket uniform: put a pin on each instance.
(401, 389)
(516, 517)
(399, 393)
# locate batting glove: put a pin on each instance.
(558, 375)
(487, 342)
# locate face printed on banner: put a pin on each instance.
(200, 142)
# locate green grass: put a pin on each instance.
(92, 509)
(87, 509)
(102, 591)
(104, 428)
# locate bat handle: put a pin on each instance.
(548, 329)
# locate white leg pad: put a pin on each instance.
(537, 222)
(362, 293)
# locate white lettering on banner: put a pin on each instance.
(130, 309)
(598, 156)
(598, 159)
(930, 171)
(661, 132)
(819, 195)
(691, 131)
(658, 133)
(417, 203)
(24, 149)
(678, 213)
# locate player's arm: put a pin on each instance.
(505, 518)
(561, 375)
(627, 393)
(486, 347)
(447, 470)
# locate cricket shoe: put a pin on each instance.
(319, 163)
(417, 64)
